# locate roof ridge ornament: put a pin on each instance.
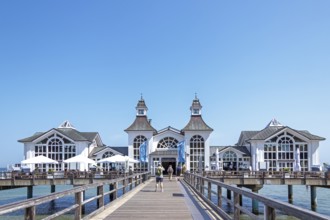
(66, 124)
(274, 123)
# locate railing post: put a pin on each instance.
(219, 196)
(100, 201)
(130, 183)
(30, 213)
(78, 199)
(209, 190)
(111, 187)
(228, 194)
(236, 206)
(115, 187)
(124, 185)
(269, 213)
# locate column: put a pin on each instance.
(255, 203)
(313, 198)
(290, 194)
(52, 188)
(29, 192)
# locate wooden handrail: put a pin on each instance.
(30, 204)
(197, 183)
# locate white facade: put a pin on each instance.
(162, 144)
(273, 148)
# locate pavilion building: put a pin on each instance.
(273, 148)
(276, 147)
(163, 144)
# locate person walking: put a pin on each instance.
(159, 177)
(170, 172)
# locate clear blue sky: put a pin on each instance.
(88, 62)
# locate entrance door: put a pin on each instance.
(166, 162)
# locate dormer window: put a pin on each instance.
(195, 111)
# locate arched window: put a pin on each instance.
(55, 148)
(197, 149)
(229, 156)
(108, 154)
(168, 142)
(138, 140)
(285, 152)
(107, 166)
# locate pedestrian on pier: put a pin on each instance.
(159, 177)
(170, 172)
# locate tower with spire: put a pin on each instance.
(140, 130)
(197, 134)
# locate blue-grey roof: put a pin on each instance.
(196, 123)
(242, 149)
(141, 123)
(269, 131)
(73, 134)
(116, 150)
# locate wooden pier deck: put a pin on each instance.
(176, 202)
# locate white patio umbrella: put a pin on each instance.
(39, 160)
(118, 159)
(80, 159)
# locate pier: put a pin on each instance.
(192, 196)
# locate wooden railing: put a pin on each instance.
(124, 184)
(203, 187)
(267, 174)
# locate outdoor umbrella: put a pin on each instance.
(39, 160)
(80, 159)
(118, 159)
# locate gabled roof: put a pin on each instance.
(245, 135)
(273, 128)
(241, 149)
(267, 132)
(141, 123)
(197, 123)
(70, 133)
(169, 128)
(115, 150)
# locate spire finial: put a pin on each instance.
(141, 96)
(195, 95)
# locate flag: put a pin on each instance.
(143, 152)
(181, 151)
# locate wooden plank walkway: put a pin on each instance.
(144, 203)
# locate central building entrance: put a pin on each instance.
(166, 162)
(166, 158)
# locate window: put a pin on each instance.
(229, 156)
(168, 142)
(197, 149)
(280, 152)
(195, 111)
(57, 148)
